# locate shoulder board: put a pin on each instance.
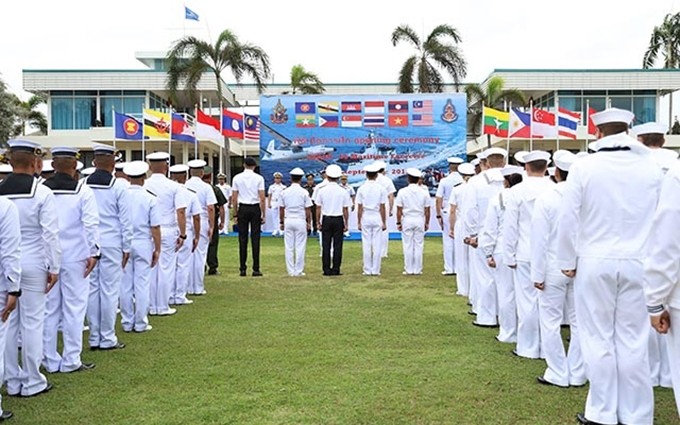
(190, 190)
(150, 192)
(19, 186)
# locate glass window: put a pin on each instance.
(107, 103)
(594, 92)
(85, 112)
(645, 92)
(569, 93)
(61, 93)
(134, 93)
(110, 92)
(644, 108)
(133, 105)
(136, 156)
(619, 92)
(571, 103)
(62, 113)
(621, 103)
(85, 93)
(597, 103)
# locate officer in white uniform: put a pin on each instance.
(555, 290)
(115, 233)
(207, 201)
(40, 266)
(603, 238)
(442, 197)
(172, 205)
(413, 218)
(315, 191)
(273, 201)
(352, 196)
(47, 172)
(332, 212)
(466, 170)
(79, 238)
(226, 191)
(295, 219)
(144, 252)
(371, 203)
(387, 183)
(184, 272)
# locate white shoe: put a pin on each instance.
(168, 312)
(147, 329)
(86, 328)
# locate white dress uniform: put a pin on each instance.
(274, 193)
(414, 203)
(40, 255)
(295, 201)
(443, 195)
(564, 369)
(170, 198)
(462, 250)
(184, 271)
(352, 194)
(115, 233)
(388, 185)
(315, 193)
(206, 198)
(608, 207)
(226, 190)
(371, 196)
(134, 298)
(67, 301)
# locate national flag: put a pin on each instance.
(350, 121)
(190, 14)
(397, 106)
(520, 124)
(305, 108)
(305, 120)
(351, 107)
(208, 127)
(567, 123)
(157, 125)
(328, 107)
(422, 106)
(398, 120)
(183, 128)
(232, 124)
(252, 127)
(495, 122)
(421, 119)
(543, 124)
(374, 120)
(328, 120)
(592, 128)
(374, 107)
(127, 127)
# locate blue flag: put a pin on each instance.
(190, 14)
(127, 128)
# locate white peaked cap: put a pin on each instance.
(103, 149)
(47, 166)
(582, 154)
(79, 165)
(158, 156)
(454, 160)
(372, 167)
(334, 171)
(511, 169)
(414, 172)
(466, 169)
(612, 115)
(483, 154)
(297, 171)
(537, 156)
(67, 151)
(593, 146)
(179, 168)
(551, 171)
(650, 128)
(87, 171)
(120, 166)
(136, 168)
(519, 156)
(26, 144)
(5, 168)
(496, 151)
(380, 164)
(475, 162)
(197, 163)
(557, 154)
(563, 162)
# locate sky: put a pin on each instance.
(343, 42)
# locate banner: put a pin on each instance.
(408, 130)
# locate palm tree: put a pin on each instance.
(494, 96)
(665, 40)
(305, 82)
(7, 114)
(29, 116)
(433, 53)
(189, 58)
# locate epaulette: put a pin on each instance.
(190, 190)
(150, 192)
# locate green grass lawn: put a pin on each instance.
(351, 349)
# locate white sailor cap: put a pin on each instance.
(79, 165)
(158, 156)
(87, 171)
(66, 151)
(197, 163)
(496, 151)
(179, 169)
(537, 156)
(24, 146)
(454, 160)
(334, 171)
(466, 169)
(557, 154)
(482, 154)
(414, 172)
(593, 146)
(509, 170)
(650, 128)
(380, 164)
(372, 167)
(47, 166)
(551, 171)
(5, 168)
(120, 166)
(297, 171)
(135, 168)
(475, 162)
(277, 174)
(104, 150)
(612, 115)
(581, 154)
(563, 162)
(519, 156)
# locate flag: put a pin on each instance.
(328, 107)
(208, 127)
(305, 120)
(592, 128)
(543, 124)
(305, 108)
(126, 127)
(374, 107)
(351, 107)
(398, 120)
(190, 14)
(397, 106)
(520, 124)
(495, 122)
(350, 121)
(374, 120)
(422, 106)
(157, 124)
(567, 123)
(182, 129)
(328, 120)
(421, 119)
(252, 127)
(232, 124)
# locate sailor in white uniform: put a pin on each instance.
(352, 195)
(144, 252)
(40, 266)
(79, 237)
(226, 191)
(295, 219)
(207, 202)
(120, 174)
(413, 218)
(5, 170)
(273, 200)
(442, 197)
(371, 203)
(387, 183)
(172, 207)
(315, 191)
(466, 170)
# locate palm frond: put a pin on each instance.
(405, 32)
(444, 30)
(406, 75)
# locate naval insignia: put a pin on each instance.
(279, 114)
(449, 115)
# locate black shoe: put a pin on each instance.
(257, 274)
(479, 325)
(118, 346)
(212, 272)
(43, 391)
(94, 347)
(581, 418)
(541, 380)
(515, 353)
(6, 414)
(242, 273)
(327, 274)
(472, 313)
(83, 367)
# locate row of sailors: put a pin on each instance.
(71, 249)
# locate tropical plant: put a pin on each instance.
(29, 116)
(8, 113)
(305, 82)
(190, 57)
(432, 53)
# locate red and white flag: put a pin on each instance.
(543, 124)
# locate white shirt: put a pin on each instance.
(115, 230)
(295, 200)
(318, 187)
(481, 188)
(10, 246)
(169, 198)
(193, 206)
(491, 237)
(248, 184)
(78, 223)
(544, 224)
(456, 199)
(332, 199)
(371, 195)
(349, 189)
(274, 194)
(144, 213)
(386, 183)
(226, 191)
(205, 194)
(445, 188)
(413, 201)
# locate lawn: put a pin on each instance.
(350, 349)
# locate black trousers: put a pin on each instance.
(249, 219)
(212, 249)
(313, 211)
(332, 229)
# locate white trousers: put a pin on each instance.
(105, 281)
(66, 305)
(178, 292)
(673, 349)
(196, 283)
(528, 326)
(448, 246)
(507, 307)
(163, 275)
(462, 264)
(564, 368)
(295, 242)
(385, 242)
(371, 243)
(28, 319)
(659, 364)
(3, 340)
(486, 304)
(273, 218)
(613, 326)
(134, 292)
(413, 242)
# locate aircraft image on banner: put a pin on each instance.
(289, 150)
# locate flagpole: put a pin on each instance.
(225, 141)
(557, 121)
(531, 125)
(587, 114)
(243, 114)
(170, 137)
(507, 142)
(143, 138)
(483, 121)
(113, 115)
(195, 135)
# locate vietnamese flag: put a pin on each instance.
(398, 120)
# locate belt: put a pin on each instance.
(332, 216)
(248, 205)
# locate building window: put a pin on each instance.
(85, 109)
(644, 108)
(621, 102)
(61, 112)
(571, 103)
(108, 104)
